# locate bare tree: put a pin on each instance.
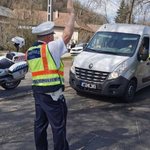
(131, 5)
(20, 25)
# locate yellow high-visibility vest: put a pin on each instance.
(43, 68)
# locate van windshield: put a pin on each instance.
(114, 43)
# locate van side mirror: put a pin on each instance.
(143, 55)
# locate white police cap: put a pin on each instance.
(44, 28)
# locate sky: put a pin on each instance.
(111, 7)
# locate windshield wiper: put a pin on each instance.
(98, 51)
(90, 49)
(109, 52)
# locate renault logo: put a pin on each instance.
(90, 66)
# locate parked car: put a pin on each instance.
(78, 49)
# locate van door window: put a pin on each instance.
(144, 45)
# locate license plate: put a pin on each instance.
(88, 85)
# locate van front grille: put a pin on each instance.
(91, 75)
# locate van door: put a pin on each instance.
(143, 72)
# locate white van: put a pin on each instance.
(114, 63)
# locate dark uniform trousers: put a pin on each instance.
(54, 113)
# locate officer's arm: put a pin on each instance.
(68, 31)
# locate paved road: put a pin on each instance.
(94, 122)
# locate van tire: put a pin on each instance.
(130, 92)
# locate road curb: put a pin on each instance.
(16, 95)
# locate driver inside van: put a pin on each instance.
(142, 47)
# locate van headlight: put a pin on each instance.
(72, 69)
(118, 71)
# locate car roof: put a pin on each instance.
(125, 28)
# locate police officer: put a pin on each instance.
(47, 70)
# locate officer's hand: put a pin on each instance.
(70, 7)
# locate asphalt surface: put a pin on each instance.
(94, 122)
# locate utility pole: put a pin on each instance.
(50, 10)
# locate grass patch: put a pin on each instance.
(67, 58)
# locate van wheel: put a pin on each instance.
(130, 92)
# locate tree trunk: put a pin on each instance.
(131, 9)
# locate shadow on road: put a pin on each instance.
(97, 139)
(139, 96)
(17, 91)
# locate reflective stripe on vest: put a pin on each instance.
(46, 76)
(47, 80)
(45, 63)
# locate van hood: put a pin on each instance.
(101, 62)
